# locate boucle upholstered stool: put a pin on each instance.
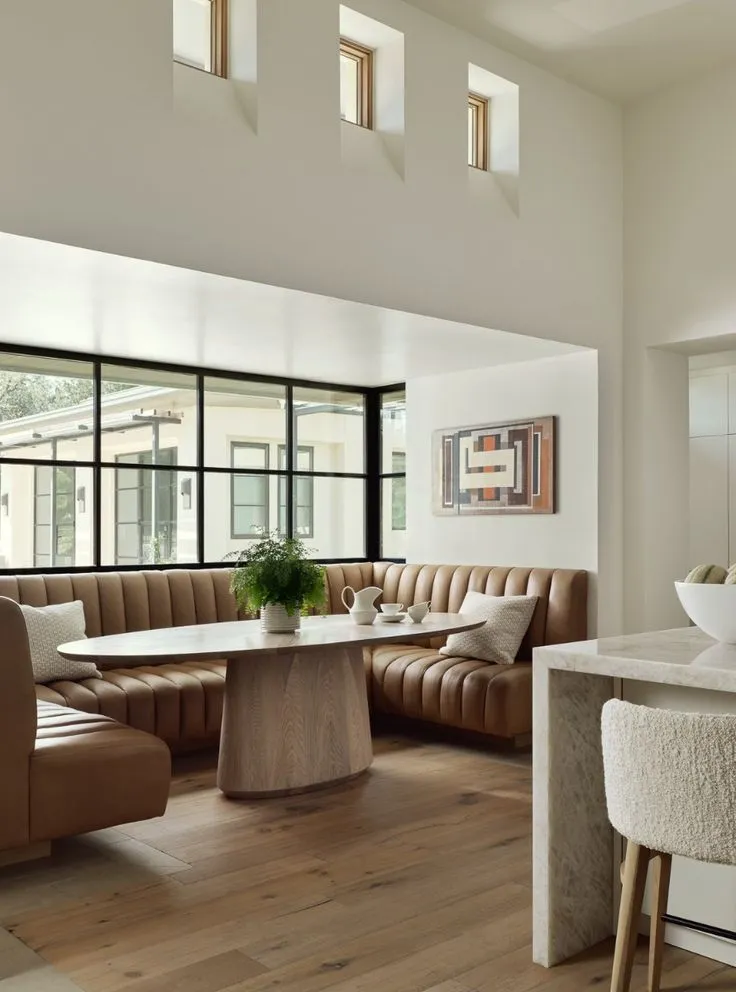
(671, 789)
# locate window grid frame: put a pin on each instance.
(266, 474)
(370, 477)
(364, 58)
(480, 110)
(141, 469)
(385, 476)
(397, 475)
(310, 474)
(219, 41)
(53, 524)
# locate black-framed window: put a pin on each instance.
(393, 472)
(54, 516)
(250, 503)
(303, 522)
(95, 424)
(146, 508)
(398, 490)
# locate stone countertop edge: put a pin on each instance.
(683, 656)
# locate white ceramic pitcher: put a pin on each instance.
(363, 610)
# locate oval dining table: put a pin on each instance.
(295, 714)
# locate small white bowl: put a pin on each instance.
(710, 606)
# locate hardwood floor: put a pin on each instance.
(414, 878)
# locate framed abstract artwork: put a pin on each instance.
(501, 468)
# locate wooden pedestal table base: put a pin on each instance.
(296, 708)
(293, 722)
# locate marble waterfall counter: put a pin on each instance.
(575, 850)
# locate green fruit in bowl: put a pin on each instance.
(730, 579)
(710, 574)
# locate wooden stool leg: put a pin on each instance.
(662, 864)
(632, 896)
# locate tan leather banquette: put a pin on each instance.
(74, 756)
(63, 772)
(420, 683)
(182, 703)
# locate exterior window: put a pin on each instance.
(200, 34)
(477, 131)
(249, 493)
(54, 530)
(393, 474)
(303, 493)
(107, 462)
(356, 83)
(146, 509)
(398, 490)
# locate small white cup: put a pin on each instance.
(418, 612)
(392, 609)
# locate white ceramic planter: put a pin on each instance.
(275, 619)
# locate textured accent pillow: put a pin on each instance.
(50, 626)
(507, 620)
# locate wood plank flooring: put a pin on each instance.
(414, 878)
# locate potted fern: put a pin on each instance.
(276, 577)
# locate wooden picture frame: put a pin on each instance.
(500, 468)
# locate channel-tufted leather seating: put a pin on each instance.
(64, 772)
(182, 703)
(78, 756)
(420, 683)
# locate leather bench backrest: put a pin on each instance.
(116, 602)
(561, 614)
(17, 727)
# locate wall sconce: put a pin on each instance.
(5, 503)
(186, 494)
(82, 499)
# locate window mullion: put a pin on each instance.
(97, 459)
(201, 498)
(291, 438)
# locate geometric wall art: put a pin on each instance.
(501, 468)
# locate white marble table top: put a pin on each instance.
(240, 638)
(684, 656)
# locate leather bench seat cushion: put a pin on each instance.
(420, 682)
(180, 703)
(88, 772)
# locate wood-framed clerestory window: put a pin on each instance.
(356, 83)
(477, 131)
(201, 34)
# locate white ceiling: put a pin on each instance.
(621, 49)
(56, 296)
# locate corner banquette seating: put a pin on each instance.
(79, 756)
(63, 771)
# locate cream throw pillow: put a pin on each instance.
(507, 620)
(48, 627)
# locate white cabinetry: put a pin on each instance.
(709, 404)
(713, 467)
(709, 500)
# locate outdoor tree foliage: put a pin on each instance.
(23, 394)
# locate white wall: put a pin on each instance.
(108, 146)
(680, 259)
(713, 464)
(566, 387)
(172, 172)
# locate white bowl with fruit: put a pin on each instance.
(708, 596)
